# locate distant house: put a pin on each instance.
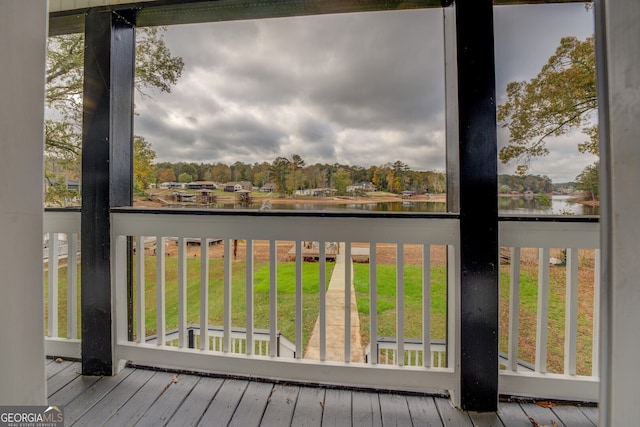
(168, 185)
(201, 185)
(72, 185)
(363, 186)
(408, 194)
(269, 187)
(246, 185)
(232, 187)
(237, 186)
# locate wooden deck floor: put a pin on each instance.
(150, 398)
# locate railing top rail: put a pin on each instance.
(441, 230)
(282, 213)
(549, 218)
(64, 209)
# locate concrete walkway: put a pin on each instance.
(335, 315)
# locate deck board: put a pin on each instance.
(591, 413)
(224, 405)
(395, 410)
(55, 367)
(62, 378)
(337, 407)
(541, 415)
(114, 398)
(281, 405)
(169, 402)
(155, 398)
(196, 403)
(141, 401)
(366, 409)
(512, 415)
(572, 416)
(252, 406)
(72, 390)
(77, 407)
(309, 407)
(450, 415)
(489, 419)
(423, 411)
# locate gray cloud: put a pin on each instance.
(362, 89)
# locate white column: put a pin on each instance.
(618, 50)
(23, 34)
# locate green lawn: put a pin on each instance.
(385, 307)
(62, 301)
(556, 323)
(286, 305)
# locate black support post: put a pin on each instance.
(107, 163)
(478, 205)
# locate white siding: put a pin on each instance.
(23, 35)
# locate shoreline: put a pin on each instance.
(156, 199)
(345, 200)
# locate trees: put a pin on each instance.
(295, 176)
(156, 69)
(185, 177)
(143, 170)
(587, 181)
(560, 99)
(165, 175)
(343, 179)
(279, 170)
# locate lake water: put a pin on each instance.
(560, 205)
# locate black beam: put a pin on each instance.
(167, 12)
(107, 153)
(478, 205)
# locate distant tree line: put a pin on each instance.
(291, 174)
(520, 184)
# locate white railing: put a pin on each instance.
(441, 231)
(261, 341)
(524, 371)
(387, 352)
(61, 244)
(562, 241)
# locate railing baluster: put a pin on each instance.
(140, 290)
(373, 304)
(204, 294)
(543, 310)
(273, 298)
(347, 300)
(299, 263)
(72, 285)
(120, 255)
(453, 305)
(228, 263)
(400, 303)
(249, 295)
(53, 285)
(426, 305)
(571, 312)
(514, 309)
(323, 300)
(160, 291)
(595, 349)
(182, 292)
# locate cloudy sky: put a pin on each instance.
(360, 89)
